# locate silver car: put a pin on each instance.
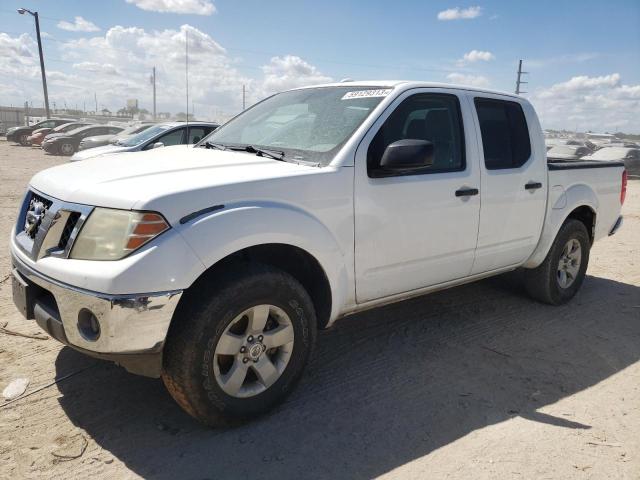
(100, 140)
(161, 135)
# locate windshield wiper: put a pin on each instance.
(217, 146)
(260, 152)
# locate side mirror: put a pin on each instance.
(405, 155)
(157, 145)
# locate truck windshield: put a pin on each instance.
(309, 124)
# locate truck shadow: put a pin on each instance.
(386, 386)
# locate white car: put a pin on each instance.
(214, 266)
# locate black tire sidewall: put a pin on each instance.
(209, 321)
(23, 140)
(62, 152)
(571, 230)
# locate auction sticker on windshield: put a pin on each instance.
(366, 93)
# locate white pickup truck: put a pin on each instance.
(213, 266)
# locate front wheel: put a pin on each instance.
(236, 352)
(24, 140)
(561, 274)
(67, 149)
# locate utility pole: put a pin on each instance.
(22, 11)
(519, 81)
(153, 80)
(244, 96)
(95, 98)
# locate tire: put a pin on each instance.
(192, 365)
(66, 149)
(23, 140)
(545, 283)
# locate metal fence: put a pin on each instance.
(11, 117)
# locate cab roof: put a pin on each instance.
(408, 84)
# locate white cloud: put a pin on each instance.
(601, 103)
(288, 72)
(117, 64)
(458, 13)
(79, 25)
(579, 83)
(96, 67)
(195, 7)
(477, 56)
(471, 80)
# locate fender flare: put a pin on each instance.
(248, 224)
(576, 196)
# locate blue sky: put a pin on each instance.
(583, 56)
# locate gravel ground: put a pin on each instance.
(474, 382)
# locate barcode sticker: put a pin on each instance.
(366, 93)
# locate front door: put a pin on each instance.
(416, 229)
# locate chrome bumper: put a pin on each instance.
(129, 325)
(617, 226)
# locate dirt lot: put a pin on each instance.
(475, 382)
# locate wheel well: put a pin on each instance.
(587, 216)
(295, 261)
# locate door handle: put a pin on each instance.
(467, 192)
(533, 186)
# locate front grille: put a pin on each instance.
(38, 198)
(47, 226)
(72, 221)
(36, 210)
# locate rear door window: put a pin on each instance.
(505, 135)
(196, 134)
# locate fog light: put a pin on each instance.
(88, 325)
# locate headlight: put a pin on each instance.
(110, 234)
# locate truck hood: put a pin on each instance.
(94, 152)
(174, 181)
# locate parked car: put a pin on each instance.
(213, 266)
(38, 136)
(554, 142)
(21, 134)
(161, 135)
(568, 152)
(67, 143)
(100, 140)
(630, 157)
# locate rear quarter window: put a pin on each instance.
(505, 134)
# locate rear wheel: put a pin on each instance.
(561, 274)
(236, 352)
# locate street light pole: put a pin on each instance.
(22, 11)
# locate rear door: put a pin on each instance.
(513, 182)
(417, 229)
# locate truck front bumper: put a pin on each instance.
(127, 329)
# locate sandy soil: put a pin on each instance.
(475, 382)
